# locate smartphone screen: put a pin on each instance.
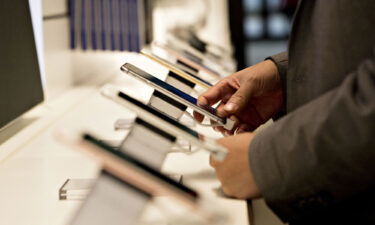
(176, 92)
(159, 114)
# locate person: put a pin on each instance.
(316, 163)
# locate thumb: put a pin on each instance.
(240, 98)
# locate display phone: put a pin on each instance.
(188, 76)
(137, 173)
(149, 181)
(203, 46)
(177, 95)
(164, 122)
(213, 55)
(189, 59)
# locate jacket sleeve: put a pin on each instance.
(320, 156)
(281, 61)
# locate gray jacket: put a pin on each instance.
(316, 164)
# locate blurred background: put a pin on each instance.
(251, 29)
(260, 28)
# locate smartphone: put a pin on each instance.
(190, 38)
(188, 76)
(177, 94)
(164, 122)
(189, 59)
(137, 173)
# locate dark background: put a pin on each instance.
(259, 28)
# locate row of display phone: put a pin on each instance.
(131, 174)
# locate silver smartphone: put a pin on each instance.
(177, 95)
(164, 122)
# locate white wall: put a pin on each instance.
(66, 68)
(53, 7)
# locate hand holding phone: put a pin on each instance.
(177, 95)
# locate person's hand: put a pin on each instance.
(234, 172)
(251, 97)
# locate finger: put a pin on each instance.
(213, 162)
(202, 101)
(198, 117)
(219, 129)
(216, 127)
(240, 98)
(220, 110)
(228, 133)
(225, 133)
(216, 93)
(214, 123)
(243, 128)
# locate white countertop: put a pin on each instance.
(38, 164)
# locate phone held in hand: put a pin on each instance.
(177, 95)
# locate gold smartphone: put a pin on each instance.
(190, 77)
(188, 59)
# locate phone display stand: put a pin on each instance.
(168, 105)
(75, 189)
(111, 201)
(79, 189)
(148, 143)
(123, 124)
